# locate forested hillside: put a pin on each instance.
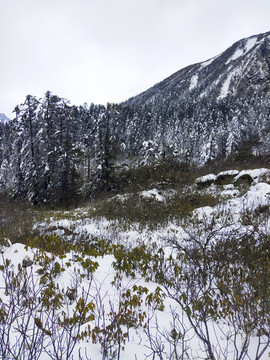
(54, 152)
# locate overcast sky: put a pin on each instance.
(109, 50)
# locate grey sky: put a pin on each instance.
(109, 50)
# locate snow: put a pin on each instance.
(63, 223)
(153, 194)
(226, 86)
(229, 193)
(258, 195)
(119, 198)
(228, 187)
(256, 174)
(206, 178)
(107, 296)
(228, 173)
(250, 43)
(238, 53)
(193, 82)
(148, 144)
(210, 178)
(4, 119)
(208, 62)
(241, 51)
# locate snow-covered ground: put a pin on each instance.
(105, 288)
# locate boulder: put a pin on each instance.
(226, 177)
(243, 179)
(205, 181)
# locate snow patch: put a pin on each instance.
(250, 43)
(153, 194)
(258, 195)
(120, 198)
(208, 62)
(238, 53)
(225, 87)
(205, 178)
(193, 81)
(231, 193)
(241, 51)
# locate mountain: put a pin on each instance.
(3, 118)
(214, 108)
(217, 77)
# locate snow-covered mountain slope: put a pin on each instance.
(213, 108)
(219, 77)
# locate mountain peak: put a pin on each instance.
(4, 119)
(214, 75)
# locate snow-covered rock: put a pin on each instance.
(255, 175)
(205, 180)
(226, 176)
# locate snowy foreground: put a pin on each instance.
(155, 327)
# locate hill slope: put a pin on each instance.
(212, 108)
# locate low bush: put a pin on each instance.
(16, 220)
(150, 211)
(166, 173)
